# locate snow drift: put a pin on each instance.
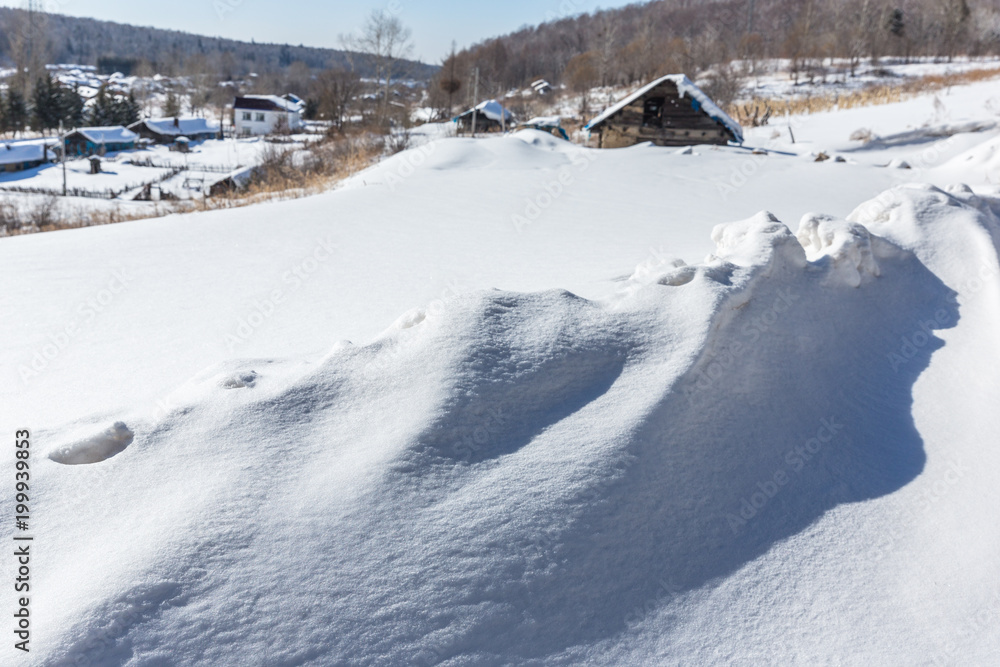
(517, 477)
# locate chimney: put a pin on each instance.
(177, 121)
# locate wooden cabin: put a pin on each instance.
(99, 140)
(489, 116)
(670, 111)
(167, 130)
(18, 156)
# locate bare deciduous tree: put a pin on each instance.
(385, 40)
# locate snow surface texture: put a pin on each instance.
(782, 454)
(526, 476)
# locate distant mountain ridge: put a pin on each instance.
(120, 46)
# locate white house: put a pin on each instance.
(267, 114)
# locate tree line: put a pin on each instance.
(638, 42)
(52, 104)
(30, 34)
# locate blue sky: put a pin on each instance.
(435, 23)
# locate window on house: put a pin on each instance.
(247, 115)
(260, 118)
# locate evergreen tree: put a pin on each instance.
(71, 107)
(171, 106)
(127, 110)
(103, 111)
(897, 25)
(46, 112)
(16, 116)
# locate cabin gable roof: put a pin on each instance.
(685, 88)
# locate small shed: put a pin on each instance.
(233, 181)
(670, 111)
(94, 140)
(489, 116)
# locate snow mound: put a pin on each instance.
(110, 442)
(847, 245)
(762, 239)
(506, 479)
(980, 164)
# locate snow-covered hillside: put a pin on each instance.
(515, 401)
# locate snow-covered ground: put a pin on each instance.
(512, 400)
(772, 78)
(183, 175)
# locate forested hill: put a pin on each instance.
(638, 41)
(121, 47)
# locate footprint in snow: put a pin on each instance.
(95, 449)
(240, 380)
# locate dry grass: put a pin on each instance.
(870, 96)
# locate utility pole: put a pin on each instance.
(475, 101)
(750, 12)
(503, 114)
(62, 154)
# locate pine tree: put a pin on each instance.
(16, 112)
(71, 107)
(127, 110)
(45, 102)
(103, 111)
(3, 114)
(171, 106)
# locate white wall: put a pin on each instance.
(265, 122)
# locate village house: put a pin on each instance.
(18, 156)
(168, 130)
(98, 140)
(489, 116)
(267, 114)
(670, 111)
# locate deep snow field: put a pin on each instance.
(514, 401)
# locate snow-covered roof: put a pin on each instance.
(179, 126)
(543, 121)
(279, 102)
(16, 153)
(490, 109)
(108, 135)
(685, 87)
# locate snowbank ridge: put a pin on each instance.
(518, 476)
